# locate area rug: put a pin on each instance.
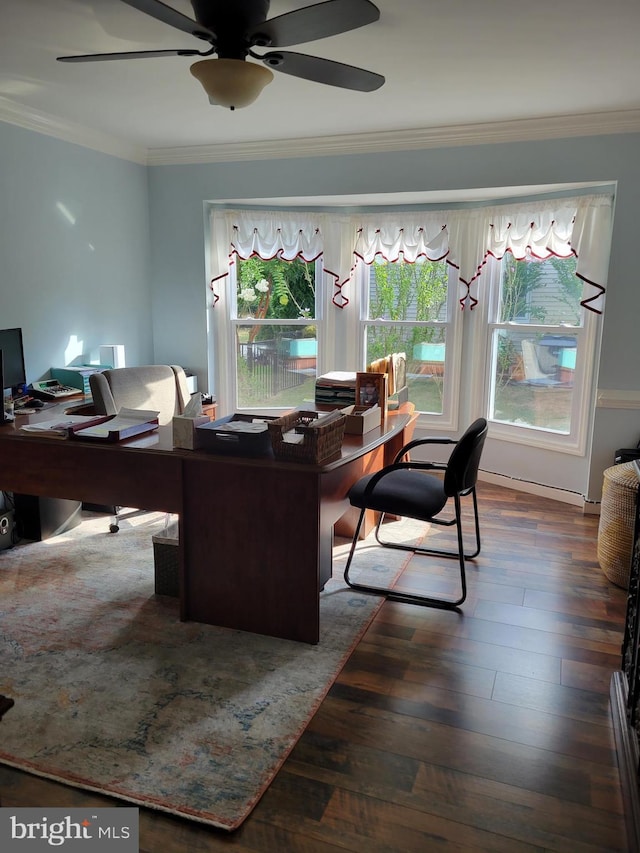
(114, 694)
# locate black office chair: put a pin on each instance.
(404, 489)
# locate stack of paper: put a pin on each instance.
(336, 388)
(126, 423)
(60, 427)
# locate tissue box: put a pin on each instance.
(361, 419)
(185, 435)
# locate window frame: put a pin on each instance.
(236, 322)
(452, 325)
(587, 338)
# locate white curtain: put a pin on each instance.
(464, 237)
(286, 235)
(556, 228)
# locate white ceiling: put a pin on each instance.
(446, 63)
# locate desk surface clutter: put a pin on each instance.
(126, 424)
(237, 515)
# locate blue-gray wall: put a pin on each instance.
(132, 269)
(177, 194)
(74, 250)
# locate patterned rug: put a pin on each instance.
(114, 694)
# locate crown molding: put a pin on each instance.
(520, 130)
(49, 125)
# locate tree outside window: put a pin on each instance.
(407, 312)
(274, 367)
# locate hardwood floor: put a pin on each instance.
(486, 730)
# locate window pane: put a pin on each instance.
(401, 291)
(276, 365)
(282, 290)
(533, 379)
(411, 292)
(425, 350)
(540, 292)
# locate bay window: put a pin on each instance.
(496, 308)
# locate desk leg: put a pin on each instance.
(252, 548)
(346, 525)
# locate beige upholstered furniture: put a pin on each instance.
(160, 387)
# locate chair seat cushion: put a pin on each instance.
(405, 492)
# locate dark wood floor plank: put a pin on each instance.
(483, 730)
(572, 603)
(557, 729)
(439, 622)
(412, 830)
(478, 803)
(589, 706)
(548, 621)
(534, 768)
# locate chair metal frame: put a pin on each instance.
(477, 433)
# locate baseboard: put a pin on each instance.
(550, 492)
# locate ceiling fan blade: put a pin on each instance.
(170, 16)
(314, 22)
(135, 54)
(323, 70)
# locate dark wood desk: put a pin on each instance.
(256, 535)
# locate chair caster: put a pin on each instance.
(113, 528)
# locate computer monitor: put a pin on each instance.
(12, 358)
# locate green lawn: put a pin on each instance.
(544, 407)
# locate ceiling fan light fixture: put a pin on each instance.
(231, 83)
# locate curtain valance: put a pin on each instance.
(412, 239)
(560, 228)
(464, 237)
(286, 235)
(283, 235)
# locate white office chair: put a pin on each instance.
(159, 387)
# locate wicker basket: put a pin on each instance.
(617, 517)
(319, 444)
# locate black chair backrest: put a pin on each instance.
(463, 464)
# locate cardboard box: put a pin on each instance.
(361, 419)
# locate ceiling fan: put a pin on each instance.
(234, 28)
